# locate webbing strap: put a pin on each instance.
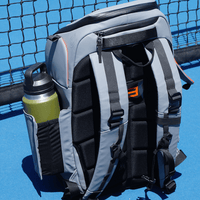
(113, 98)
(184, 77)
(113, 91)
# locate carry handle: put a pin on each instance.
(127, 60)
(30, 70)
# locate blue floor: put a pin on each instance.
(19, 181)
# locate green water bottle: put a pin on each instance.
(40, 99)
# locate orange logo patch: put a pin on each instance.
(133, 92)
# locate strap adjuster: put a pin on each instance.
(175, 101)
(165, 141)
(115, 151)
(115, 118)
(150, 181)
(170, 187)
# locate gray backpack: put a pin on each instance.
(120, 94)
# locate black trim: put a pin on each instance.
(131, 26)
(128, 39)
(92, 19)
(169, 121)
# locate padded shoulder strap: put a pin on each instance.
(113, 96)
(169, 90)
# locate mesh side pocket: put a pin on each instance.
(49, 146)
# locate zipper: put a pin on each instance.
(118, 29)
(100, 45)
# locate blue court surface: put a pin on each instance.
(18, 179)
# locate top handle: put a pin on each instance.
(30, 70)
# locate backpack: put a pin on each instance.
(120, 95)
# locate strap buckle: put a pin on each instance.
(150, 181)
(175, 101)
(115, 151)
(165, 141)
(115, 118)
(170, 187)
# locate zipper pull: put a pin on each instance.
(99, 45)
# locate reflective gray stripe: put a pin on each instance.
(66, 140)
(108, 137)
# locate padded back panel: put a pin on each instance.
(141, 136)
(85, 116)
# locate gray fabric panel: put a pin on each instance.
(161, 168)
(102, 87)
(85, 47)
(66, 140)
(56, 56)
(174, 130)
(79, 178)
(107, 139)
(163, 29)
(32, 132)
(122, 87)
(121, 145)
(64, 95)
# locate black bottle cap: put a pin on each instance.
(37, 83)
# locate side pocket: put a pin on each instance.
(49, 146)
(45, 146)
(32, 132)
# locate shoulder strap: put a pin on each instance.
(184, 77)
(113, 95)
(169, 90)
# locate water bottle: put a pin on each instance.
(40, 99)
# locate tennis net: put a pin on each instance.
(25, 25)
